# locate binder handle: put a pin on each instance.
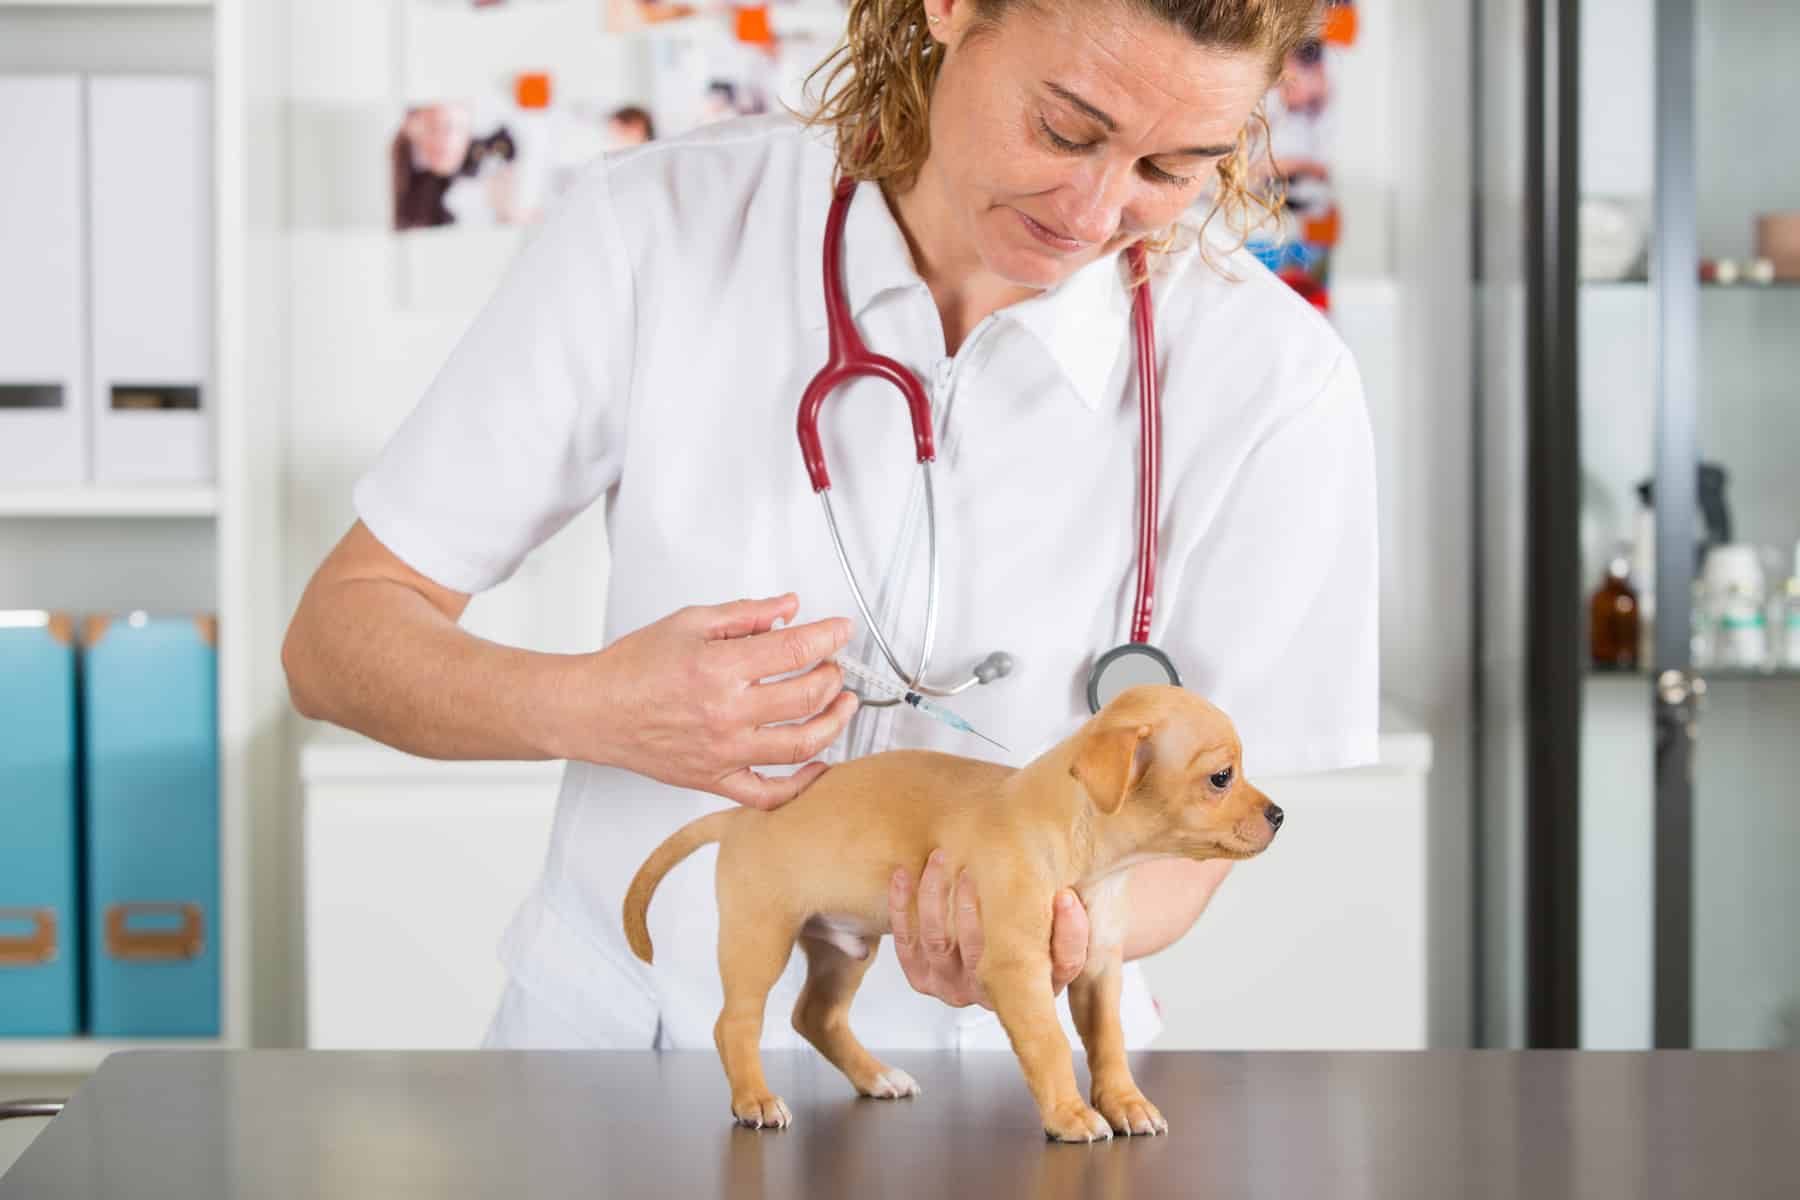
(30, 949)
(154, 945)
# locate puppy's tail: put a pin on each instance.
(681, 843)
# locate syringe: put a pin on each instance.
(869, 679)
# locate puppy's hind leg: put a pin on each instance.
(822, 1016)
(753, 949)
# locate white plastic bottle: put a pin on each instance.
(1734, 581)
(1790, 626)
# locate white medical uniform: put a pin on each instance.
(649, 348)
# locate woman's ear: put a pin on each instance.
(1111, 762)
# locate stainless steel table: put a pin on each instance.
(276, 1125)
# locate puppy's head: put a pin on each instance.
(1164, 767)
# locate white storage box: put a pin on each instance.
(43, 405)
(149, 204)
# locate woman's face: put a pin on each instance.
(1076, 128)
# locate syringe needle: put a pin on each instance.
(947, 717)
(984, 737)
(869, 678)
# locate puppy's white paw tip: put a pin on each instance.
(901, 1083)
(892, 1084)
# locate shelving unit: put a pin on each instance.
(1639, 830)
(1710, 674)
(1774, 285)
(109, 502)
(221, 538)
(106, 3)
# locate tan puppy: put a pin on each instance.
(1156, 773)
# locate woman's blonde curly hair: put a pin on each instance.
(876, 90)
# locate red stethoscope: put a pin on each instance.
(1134, 662)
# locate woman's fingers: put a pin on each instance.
(744, 618)
(1068, 940)
(934, 911)
(794, 697)
(905, 929)
(753, 789)
(792, 648)
(969, 938)
(797, 743)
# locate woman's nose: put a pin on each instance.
(1097, 202)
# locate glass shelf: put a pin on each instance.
(1778, 285)
(1710, 674)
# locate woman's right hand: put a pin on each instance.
(680, 699)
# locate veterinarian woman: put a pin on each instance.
(650, 348)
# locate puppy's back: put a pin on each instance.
(834, 846)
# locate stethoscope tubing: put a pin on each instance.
(849, 358)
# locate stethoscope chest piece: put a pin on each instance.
(1128, 666)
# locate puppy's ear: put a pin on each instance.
(1112, 762)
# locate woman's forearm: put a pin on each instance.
(376, 656)
(1167, 897)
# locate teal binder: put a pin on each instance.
(40, 962)
(151, 772)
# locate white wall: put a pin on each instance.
(1404, 306)
(364, 344)
(370, 319)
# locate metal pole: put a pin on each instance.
(1675, 307)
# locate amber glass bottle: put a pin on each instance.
(1613, 618)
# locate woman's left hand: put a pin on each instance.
(939, 952)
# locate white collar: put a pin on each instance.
(1082, 322)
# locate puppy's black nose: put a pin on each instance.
(1275, 816)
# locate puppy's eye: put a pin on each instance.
(1221, 779)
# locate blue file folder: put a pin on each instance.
(150, 753)
(40, 958)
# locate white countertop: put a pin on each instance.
(340, 756)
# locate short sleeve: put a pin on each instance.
(524, 426)
(1277, 619)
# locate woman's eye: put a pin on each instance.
(1222, 779)
(1057, 139)
(1161, 176)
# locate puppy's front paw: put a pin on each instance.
(1073, 1121)
(760, 1110)
(1129, 1113)
(891, 1084)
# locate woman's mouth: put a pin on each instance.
(1050, 238)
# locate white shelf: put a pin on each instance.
(227, 531)
(81, 1055)
(106, 3)
(108, 501)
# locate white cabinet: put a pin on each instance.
(1319, 944)
(414, 867)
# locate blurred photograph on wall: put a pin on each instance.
(500, 159)
(453, 165)
(699, 80)
(623, 16)
(1301, 142)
